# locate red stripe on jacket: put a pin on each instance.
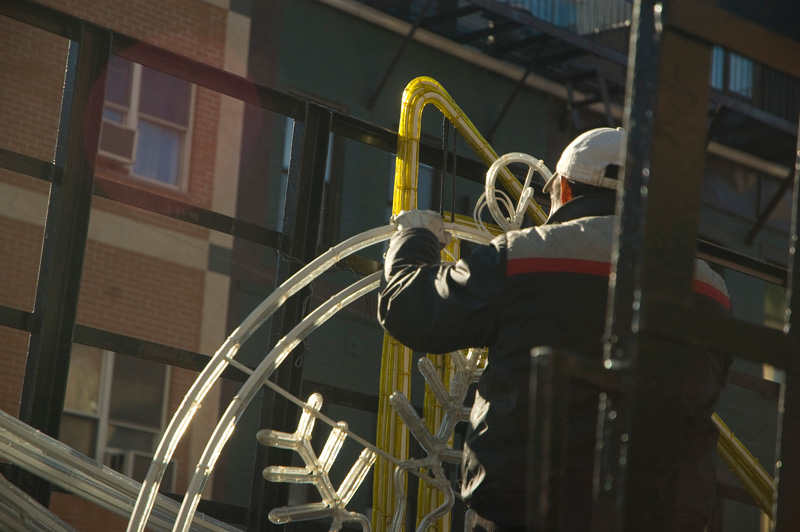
(593, 267)
(531, 265)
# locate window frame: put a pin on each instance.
(102, 451)
(334, 170)
(131, 118)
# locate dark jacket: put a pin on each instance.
(543, 286)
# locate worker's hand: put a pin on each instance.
(430, 220)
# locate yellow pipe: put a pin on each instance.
(754, 478)
(397, 358)
(419, 93)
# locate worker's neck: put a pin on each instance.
(582, 206)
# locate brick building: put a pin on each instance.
(144, 275)
(183, 286)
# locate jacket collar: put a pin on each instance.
(582, 206)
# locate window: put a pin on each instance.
(427, 188)
(146, 122)
(731, 73)
(329, 198)
(114, 409)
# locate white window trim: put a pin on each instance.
(102, 415)
(131, 120)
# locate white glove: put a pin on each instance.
(430, 220)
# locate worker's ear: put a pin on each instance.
(566, 190)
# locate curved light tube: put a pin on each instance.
(19, 512)
(267, 366)
(755, 479)
(78, 474)
(227, 351)
(211, 373)
(514, 220)
(253, 385)
(417, 94)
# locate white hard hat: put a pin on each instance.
(588, 157)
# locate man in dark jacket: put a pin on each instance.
(544, 286)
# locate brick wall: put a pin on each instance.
(32, 64)
(85, 516)
(122, 290)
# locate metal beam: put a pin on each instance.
(498, 28)
(406, 41)
(26, 165)
(658, 218)
(179, 210)
(708, 23)
(561, 34)
(787, 513)
(43, 17)
(776, 198)
(65, 234)
(449, 15)
(300, 234)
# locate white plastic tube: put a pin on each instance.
(225, 354)
(59, 464)
(20, 512)
(515, 216)
(253, 384)
(211, 373)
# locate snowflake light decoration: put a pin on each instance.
(316, 471)
(435, 447)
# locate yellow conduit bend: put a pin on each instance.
(419, 93)
(754, 478)
(397, 358)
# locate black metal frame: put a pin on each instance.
(52, 323)
(649, 312)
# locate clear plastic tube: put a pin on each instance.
(437, 386)
(226, 353)
(332, 447)
(417, 94)
(316, 470)
(253, 384)
(356, 475)
(514, 219)
(283, 515)
(20, 512)
(435, 447)
(59, 464)
(414, 423)
(209, 375)
(758, 483)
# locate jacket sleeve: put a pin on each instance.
(437, 308)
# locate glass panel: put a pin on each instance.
(80, 433)
(114, 116)
(780, 217)
(425, 184)
(717, 68)
(130, 439)
(158, 153)
(32, 66)
(774, 305)
(137, 391)
(13, 353)
(741, 75)
(165, 96)
(140, 466)
(83, 382)
(118, 83)
(23, 210)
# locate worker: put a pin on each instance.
(548, 286)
